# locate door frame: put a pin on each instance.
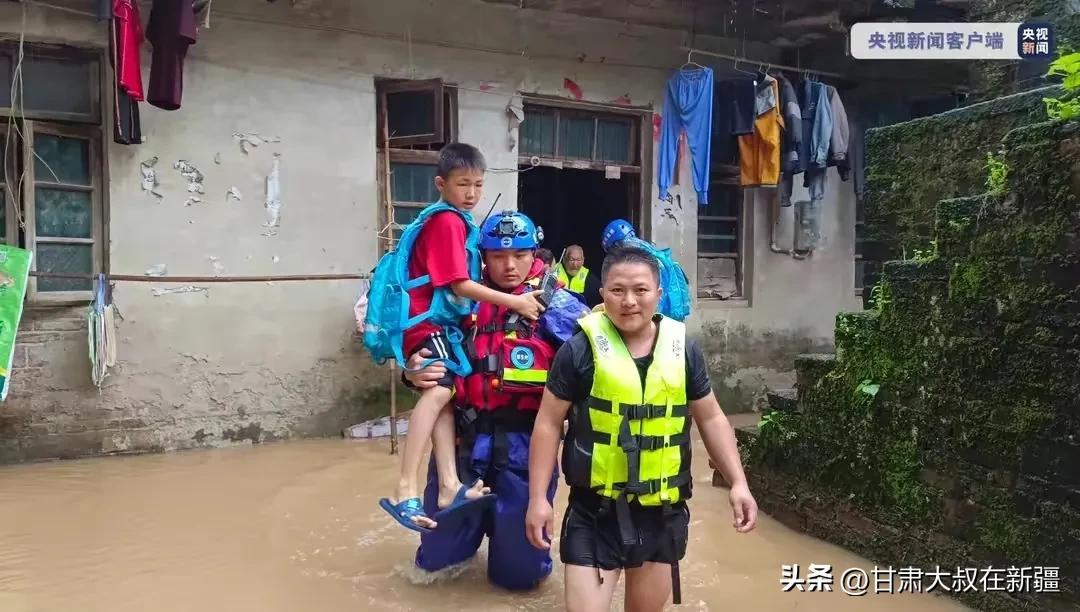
(641, 116)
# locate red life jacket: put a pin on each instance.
(510, 366)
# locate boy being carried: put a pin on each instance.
(445, 252)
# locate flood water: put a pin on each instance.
(295, 526)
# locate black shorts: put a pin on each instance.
(440, 348)
(591, 537)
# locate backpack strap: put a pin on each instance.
(459, 362)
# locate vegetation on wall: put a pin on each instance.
(1067, 105)
(948, 153)
(952, 405)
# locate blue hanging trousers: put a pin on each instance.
(687, 104)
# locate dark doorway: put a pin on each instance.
(574, 206)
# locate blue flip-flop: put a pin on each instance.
(462, 507)
(404, 511)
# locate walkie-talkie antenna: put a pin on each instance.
(491, 209)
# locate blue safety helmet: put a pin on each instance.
(510, 229)
(615, 232)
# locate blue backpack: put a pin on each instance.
(387, 315)
(675, 301)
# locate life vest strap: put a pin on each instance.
(651, 487)
(636, 412)
(642, 442)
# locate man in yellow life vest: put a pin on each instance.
(576, 277)
(630, 383)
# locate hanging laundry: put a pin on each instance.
(821, 125)
(817, 134)
(171, 30)
(127, 129)
(733, 115)
(759, 152)
(125, 36)
(101, 331)
(688, 104)
(841, 134)
(793, 137)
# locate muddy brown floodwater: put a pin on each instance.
(295, 526)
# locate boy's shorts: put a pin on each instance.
(590, 534)
(440, 348)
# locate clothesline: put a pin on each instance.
(736, 58)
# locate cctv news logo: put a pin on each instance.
(952, 41)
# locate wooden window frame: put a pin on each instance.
(448, 111)
(11, 219)
(31, 240)
(562, 109)
(725, 176)
(95, 66)
(435, 87)
(90, 127)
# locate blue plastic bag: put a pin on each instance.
(558, 323)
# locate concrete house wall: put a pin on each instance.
(262, 361)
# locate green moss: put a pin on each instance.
(968, 357)
(948, 154)
(997, 175)
(967, 280)
(1000, 529)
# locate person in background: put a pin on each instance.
(546, 256)
(630, 383)
(576, 277)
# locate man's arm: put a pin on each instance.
(543, 448)
(473, 290)
(719, 438)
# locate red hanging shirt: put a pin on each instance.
(129, 35)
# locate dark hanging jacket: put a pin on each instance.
(793, 128)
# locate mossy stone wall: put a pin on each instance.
(912, 166)
(951, 413)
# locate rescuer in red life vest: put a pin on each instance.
(495, 407)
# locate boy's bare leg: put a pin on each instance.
(585, 592)
(421, 428)
(443, 447)
(647, 587)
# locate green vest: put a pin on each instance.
(624, 441)
(576, 284)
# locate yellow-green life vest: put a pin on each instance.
(576, 284)
(624, 440)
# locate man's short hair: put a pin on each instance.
(459, 156)
(545, 255)
(629, 255)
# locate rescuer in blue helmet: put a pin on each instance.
(675, 294)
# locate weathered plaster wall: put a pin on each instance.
(791, 304)
(255, 362)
